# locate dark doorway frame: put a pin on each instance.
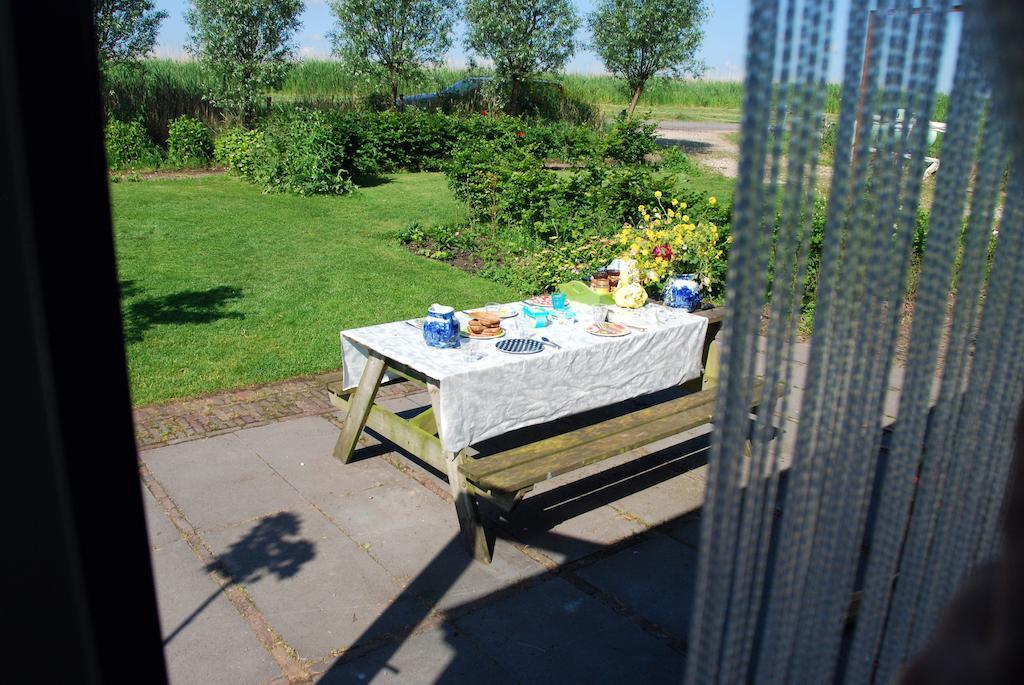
(82, 602)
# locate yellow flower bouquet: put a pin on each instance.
(665, 241)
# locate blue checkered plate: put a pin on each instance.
(519, 346)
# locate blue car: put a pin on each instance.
(461, 91)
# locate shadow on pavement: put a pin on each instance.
(551, 626)
(271, 547)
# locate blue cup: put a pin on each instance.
(559, 301)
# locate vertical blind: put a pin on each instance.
(832, 536)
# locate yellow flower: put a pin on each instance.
(675, 202)
(712, 200)
(685, 219)
(642, 209)
(657, 193)
(729, 240)
(682, 205)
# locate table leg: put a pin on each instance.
(471, 527)
(359, 407)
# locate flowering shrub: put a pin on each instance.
(671, 237)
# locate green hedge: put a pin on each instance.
(235, 148)
(307, 150)
(508, 186)
(129, 146)
(304, 152)
(189, 142)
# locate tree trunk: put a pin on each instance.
(517, 94)
(248, 113)
(636, 96)
(394, 94)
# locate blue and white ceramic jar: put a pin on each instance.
(683, 292)
(441, 328)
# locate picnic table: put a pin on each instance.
(472, 401)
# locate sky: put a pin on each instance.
(723, 49)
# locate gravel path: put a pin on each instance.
(707, 142)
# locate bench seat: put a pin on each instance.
(520, 468)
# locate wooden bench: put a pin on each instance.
(505, 478)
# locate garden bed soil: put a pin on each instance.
(169, 174)
(461, 259)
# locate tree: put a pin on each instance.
(394, 39)
(125, 29)
(522, 38)
(246, 44)
(637, 39)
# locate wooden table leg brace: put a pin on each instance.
(417, 436)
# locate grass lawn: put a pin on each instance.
(224, 286)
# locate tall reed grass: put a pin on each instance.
(158, 91)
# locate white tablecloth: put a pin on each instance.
(502, 392)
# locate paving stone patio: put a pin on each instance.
(277, 564)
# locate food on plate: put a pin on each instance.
(484, 324)
(540, 301)
(607, 328)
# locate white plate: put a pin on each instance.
(507, 311)
(600, 329)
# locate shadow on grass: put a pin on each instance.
(141, 313)
(370, 180)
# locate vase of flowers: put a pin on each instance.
(666, 241)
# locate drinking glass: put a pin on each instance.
(493, 308)
(558, 300)
(471, 350)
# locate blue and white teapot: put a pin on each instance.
(683, 292)
(441, 328)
